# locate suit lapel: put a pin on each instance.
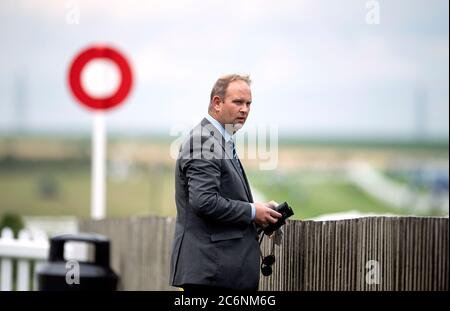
(249, 193)
(241, 176)
(216, 134)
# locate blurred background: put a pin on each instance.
(357, 89)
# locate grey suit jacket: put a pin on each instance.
(215, 239)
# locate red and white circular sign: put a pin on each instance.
(105, 53)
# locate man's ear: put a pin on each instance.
(217, 103)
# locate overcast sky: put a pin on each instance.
(318, 67)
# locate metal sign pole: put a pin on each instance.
(98, 166)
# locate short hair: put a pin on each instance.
(221, 86)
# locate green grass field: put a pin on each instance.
(311, 195)
(51, 177)
(23, 191)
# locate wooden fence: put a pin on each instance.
(374, 253)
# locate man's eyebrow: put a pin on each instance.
(241, 100)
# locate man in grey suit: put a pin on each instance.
(216, 243)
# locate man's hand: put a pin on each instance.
(265, 213)
(272, 204)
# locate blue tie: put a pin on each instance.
(234, 150)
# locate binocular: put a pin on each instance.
(286, 211)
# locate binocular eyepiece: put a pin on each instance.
(266, 265)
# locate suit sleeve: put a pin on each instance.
(203, 178)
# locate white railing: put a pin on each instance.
(20, 259)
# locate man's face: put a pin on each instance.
(235, 107)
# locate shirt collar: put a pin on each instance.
(227, 136)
